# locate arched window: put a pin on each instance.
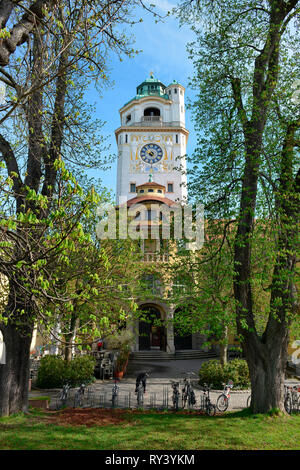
(151, 112)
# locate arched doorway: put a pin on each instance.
(152, 335)
(181, 341)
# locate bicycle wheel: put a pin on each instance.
(249, 401)
(288, 405)
(175, 403)
(140, 398)
(211, 410)
(222, 402)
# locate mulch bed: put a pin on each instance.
(100, 417)
(86, 417)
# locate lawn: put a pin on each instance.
(149, 431)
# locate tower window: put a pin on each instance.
(159, 191)
(151, 112)
(175, 90)
(132, 188)
(128, 118)
(126, 138)
(170, 188)
(176, 138)
(150, 191)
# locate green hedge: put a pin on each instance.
(211, 372)
(54, 371)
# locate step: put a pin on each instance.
(150, 356)
(164, 356)
(195, 354)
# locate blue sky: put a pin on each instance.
(163, 46)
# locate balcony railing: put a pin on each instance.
(156, 257)
(151, 119)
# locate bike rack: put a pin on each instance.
(165, 403)
(152, 400)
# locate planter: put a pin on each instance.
(42, 403)
(119, 374)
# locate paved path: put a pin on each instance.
(159, 390)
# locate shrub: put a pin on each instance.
(80, 370)
(211, 372)
(54, 371)
(51, 372)
(121, 340)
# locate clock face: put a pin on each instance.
(151, 153)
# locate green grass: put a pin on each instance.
(153, 430)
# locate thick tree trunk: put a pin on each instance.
(267, 371)
(14, 375)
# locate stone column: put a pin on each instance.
(170, 331)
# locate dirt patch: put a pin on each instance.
(86, 417)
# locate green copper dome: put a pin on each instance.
(151, 87)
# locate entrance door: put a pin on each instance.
(151, 336)
(144, 335)
(155, 336)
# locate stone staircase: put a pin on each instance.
(145, 356)
(194, 354)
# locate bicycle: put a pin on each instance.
(115, 393)
(140, 394)
(291, 399)
(206, 403)
(223, 399)
(176, 395)
(188, 394)
(78, 398)
(63, 396)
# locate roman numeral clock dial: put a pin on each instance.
(151, 153)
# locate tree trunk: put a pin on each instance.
(224, 347)
(267, 371)
(69, 338)
(14, 375)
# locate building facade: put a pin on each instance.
(151, 172)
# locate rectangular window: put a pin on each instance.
(176, 139)
(170, 188)
(175, 90)
(126, 138)
(132, 188)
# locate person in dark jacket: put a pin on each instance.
(142, 377)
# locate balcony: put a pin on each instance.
(151, 121)
(156, 257)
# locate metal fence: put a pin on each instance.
(91, 398)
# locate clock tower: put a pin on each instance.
(152, 140)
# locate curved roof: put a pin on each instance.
(149, 198)
(151, 184)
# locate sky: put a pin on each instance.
(163, 46)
